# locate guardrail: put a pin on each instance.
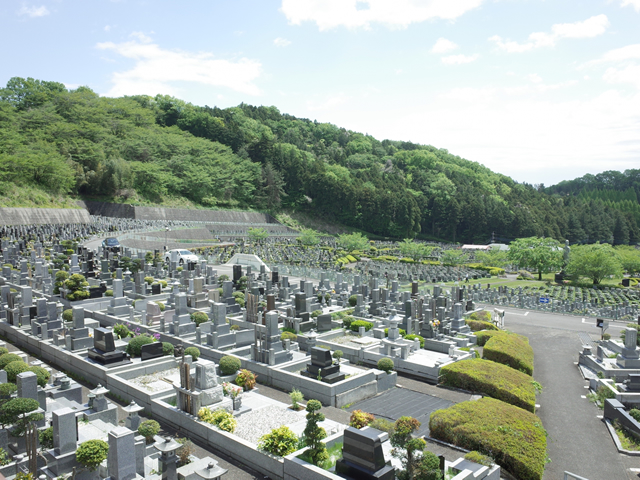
(573, 476)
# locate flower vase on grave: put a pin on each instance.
(237, 402)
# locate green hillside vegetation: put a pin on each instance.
(56, 143)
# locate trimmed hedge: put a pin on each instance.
(477, 325)
(356, 324)
(492, 379)
(513, 437)
(484, 336)
(511, 350)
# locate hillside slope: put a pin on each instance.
(161, 150)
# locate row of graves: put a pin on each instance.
(175, 391)
(615, 304)
(58, 406)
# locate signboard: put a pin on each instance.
(603, 324)
(544, 300)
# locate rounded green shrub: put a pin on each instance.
(149, 429)
(67, 315)
(42, 374)
(199, 317)
(134, 347)
(288, 336)
(194, 352)
(92, 453)
(7, 358)
(338, 354)
(413, 336)
(46, 438)
(108, 293)
(161, 305)
(163, 283)
(19, 412)
(149, 280)
(3, 351)
(14, 368)
(635, 414)
(386, 364)
(220, 418)
(121, 330)
(246, 379)
(281, 441)
(356, 324)
(383, 425)
(229, 365)
(6, 389)
(167, 349)
(353, 300)
(512, 350)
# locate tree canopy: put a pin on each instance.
(595, 261)
(540, 254)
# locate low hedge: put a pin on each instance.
(492, 379)
(511, 350)
(512, 436)
(356, 324)
(483, 336)
(477, 325)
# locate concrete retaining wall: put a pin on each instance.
(39, 216)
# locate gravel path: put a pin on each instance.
(253, 425)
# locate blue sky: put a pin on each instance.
(538, 90)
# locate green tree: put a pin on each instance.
(414, 250)
(492, 258)
(539, 254)
(308, 237)
(454, 257)
(353, 241)
(629, 258)
(258, 234)
(19, 412)
(314, 433)
(594, 261)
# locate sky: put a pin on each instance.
(539, 90)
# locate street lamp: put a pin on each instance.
(165, 238)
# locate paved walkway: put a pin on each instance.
(578, 441)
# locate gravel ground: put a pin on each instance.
(154, 382)
(253, 425)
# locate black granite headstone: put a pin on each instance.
(151, 350)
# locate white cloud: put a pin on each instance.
(328, 14)
(535, 78)
(633, 3)
(107, 28)
(443, 46)
(459, 59)
(591, 27)
(281, 42)
(629, 74)
(630, 52)
(156, 70)
(141, 36)
(33, 11)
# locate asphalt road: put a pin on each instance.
(578, 440)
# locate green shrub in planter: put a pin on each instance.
(199, 317)
(477, 325)
(353, 300)
(347, 321)
(400, 330)
(92, 453)
(281, 442)
(108, 293)
(413, 336)
(483, 336)
(7, 389)
(7, 358)
(149, 429)
(121, 330)
(135, 344)
(512, 436)
(288, 336)
(149, 280)
(67, 315)
(356, 324)
(167, 349)
(194, 352)
(511, 350)
(246, 379)
(161, 305)
(635, 413)
(14, 368)
(163, 283)
(360, 419)
(3, 351)
(220, 418)
(492, 379)
(46, 438)
(385, 364)
(42, 374)
(229, 365)
(338, 354)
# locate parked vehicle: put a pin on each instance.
(184, 256)
(111, 243)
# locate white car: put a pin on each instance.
(183, 256)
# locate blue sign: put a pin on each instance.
(544, 300)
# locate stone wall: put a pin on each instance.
(39, 216)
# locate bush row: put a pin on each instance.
(512, 436)
(492, 379)
(512, 350)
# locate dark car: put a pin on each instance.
(111, 243)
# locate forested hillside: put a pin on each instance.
(162, 150)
